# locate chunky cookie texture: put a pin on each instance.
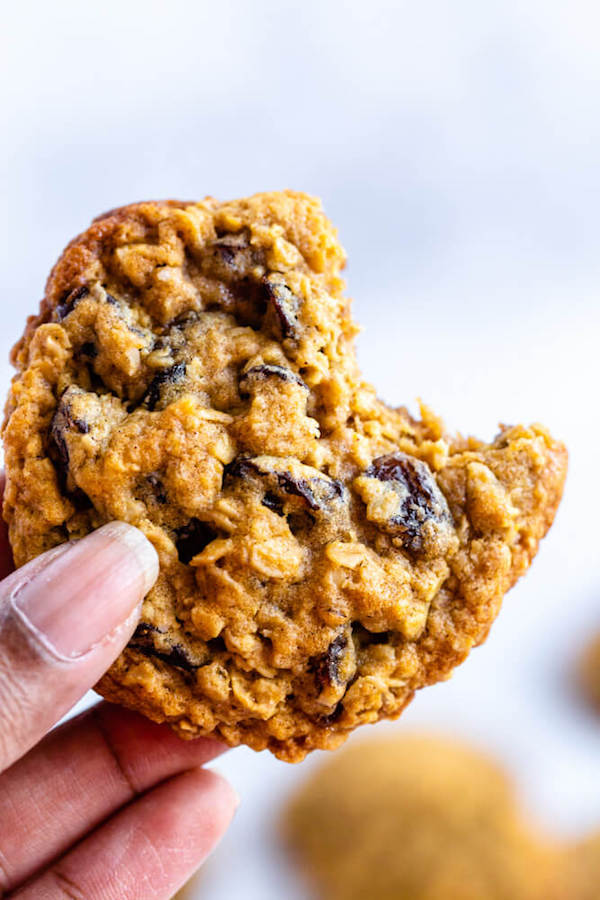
(418, 818)
(191, 371)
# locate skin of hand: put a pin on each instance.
(108, 805)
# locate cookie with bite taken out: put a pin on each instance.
(191, 371)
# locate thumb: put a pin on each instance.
(64, 618)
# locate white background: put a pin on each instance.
(456, 147)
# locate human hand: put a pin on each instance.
(109, 805)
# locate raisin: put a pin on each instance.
(174, 653)
(173, 375)
(264, 372)
(193, 538)
(231, 256)
(229, 245)
(70, 301)
(316, 490)
(242, 467)
(88, 349)
(284, 304)
(62, 422)
(272, 502)
(57, 436)
(420, 501)
(326, 667)
(306, 489)
(81, 425)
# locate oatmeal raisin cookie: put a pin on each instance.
(191, 371)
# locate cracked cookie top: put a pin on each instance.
(191, 371)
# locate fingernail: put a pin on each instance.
(84, 593)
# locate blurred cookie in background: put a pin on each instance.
(583, 868)
(588, 673)
(417, 818)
